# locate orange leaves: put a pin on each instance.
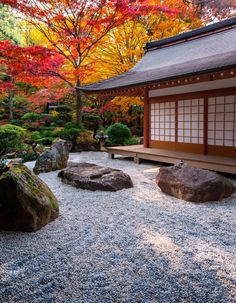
(96, 39)
(124, 103)
(74, 28)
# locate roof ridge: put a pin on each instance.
(202, 31)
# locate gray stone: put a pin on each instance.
(193, 184)
(26, 203)
(94, 177)
(54, 159)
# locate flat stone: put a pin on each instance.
(94, 177)
(26, 202)
(193, 184)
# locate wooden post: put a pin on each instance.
(146, 128)
(205, 126)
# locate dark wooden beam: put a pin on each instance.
(146, 127)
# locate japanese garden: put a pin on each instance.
(117, 151)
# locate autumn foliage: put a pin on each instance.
(84, 41)
(75, 28)
(32, 65)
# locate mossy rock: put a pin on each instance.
(54, 159)
(26, 203)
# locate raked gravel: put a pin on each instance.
(135, 245)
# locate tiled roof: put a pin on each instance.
(210, 48)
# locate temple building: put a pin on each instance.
(188, 83)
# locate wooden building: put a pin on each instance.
(189, 87)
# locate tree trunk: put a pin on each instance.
(10, 104)
(78, 104)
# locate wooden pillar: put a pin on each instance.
(205, 126)
(146, 128)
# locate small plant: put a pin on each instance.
(118, 133)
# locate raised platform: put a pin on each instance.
(138, 152)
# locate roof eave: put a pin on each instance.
(146, 83)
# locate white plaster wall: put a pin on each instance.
(190, 88)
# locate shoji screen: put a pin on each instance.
(222, 121)
(191, 121)
(163, 121)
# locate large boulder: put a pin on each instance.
(94, 177)
(54, 159)
(193, 184)
(26, 203)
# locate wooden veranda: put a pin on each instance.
(139, 152)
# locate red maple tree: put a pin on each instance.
(34, 65)
(75, 27)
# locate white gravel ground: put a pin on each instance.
(132, 246)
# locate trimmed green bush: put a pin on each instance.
(70, 133)
(30, 156)
(36, 136)
(17, 122)
(64, 114)
(91, 121)
(45, 141)
(31, 117)
(118, 133)
(131, 141)
(11, 137)
(44, 137)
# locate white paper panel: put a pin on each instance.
(221, 125)
(162, 120)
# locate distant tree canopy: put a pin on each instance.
(9, 26)
(214, 9)
(84, 41)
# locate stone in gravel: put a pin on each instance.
(26, 202)
(93, 177)
(193, 184)
(54, 159)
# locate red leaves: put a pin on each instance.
(73, 28)
(55, 93)
(34, 65)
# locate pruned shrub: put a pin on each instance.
(85, 141)
(85, 137)
(11, 137)
(118, 133)
(47, 141)
(131, 141)
(31, 117)
(91, 121)
(69, 133)
(64, 114)
(29, 156)
(45, 136)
